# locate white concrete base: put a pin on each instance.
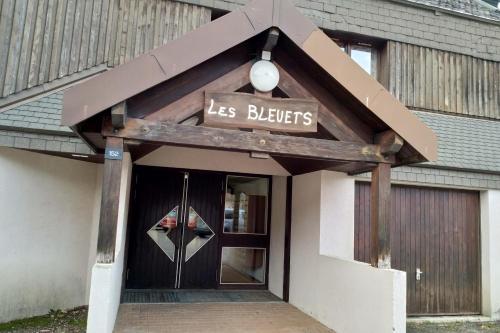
(106, 285)
(104, 297)
(345, 295)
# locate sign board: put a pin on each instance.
(240, 110)
(113, 154)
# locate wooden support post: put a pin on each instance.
(380, 213)
(109, 202)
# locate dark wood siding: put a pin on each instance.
(430, 79)
(438, 231)
(45, 40)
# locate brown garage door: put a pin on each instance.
(437, 232)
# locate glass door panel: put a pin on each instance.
(241, 265)
(245, 209)
(245, 237)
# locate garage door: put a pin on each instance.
(436, 232)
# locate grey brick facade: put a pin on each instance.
(420, 176)
(465, 143)
(41, 114)
(37, 125)
(477, 8)
(43, 142)
(396, 20)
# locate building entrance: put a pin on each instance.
(197, 230)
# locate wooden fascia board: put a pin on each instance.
(371, 93)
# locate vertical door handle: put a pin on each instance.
(419, 273)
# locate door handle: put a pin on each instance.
(419, 273)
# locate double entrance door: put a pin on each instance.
(184, 233)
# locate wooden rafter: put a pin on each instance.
(328, 119)
(193, 102)
(214, 138)
(390, 143)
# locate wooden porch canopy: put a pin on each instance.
(156, 99)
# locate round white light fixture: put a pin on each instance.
(264, 76)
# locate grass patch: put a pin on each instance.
(74, 320)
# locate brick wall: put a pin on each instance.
(395, 21)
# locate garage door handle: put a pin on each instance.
(419, 273)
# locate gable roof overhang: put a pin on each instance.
(314, 48)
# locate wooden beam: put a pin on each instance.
(214, 138)
(380, 216)
(329, 120)
(194, 102)
(288, 232)
(354, 168)
(119, 115)
(390, 143)
(139, 151)
(109, 203)
(297, 166)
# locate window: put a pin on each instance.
(363, 54)
(245, 210)
(243, 265)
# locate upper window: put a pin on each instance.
(363, 54)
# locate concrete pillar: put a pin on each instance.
(106, 283)
(325, 282)
(490, 253)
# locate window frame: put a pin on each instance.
(348, 45)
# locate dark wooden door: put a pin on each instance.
(156, 192)
(205, 197)
(436, 231)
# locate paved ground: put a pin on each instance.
(275, 317)
(74, 321)
(454, 327)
